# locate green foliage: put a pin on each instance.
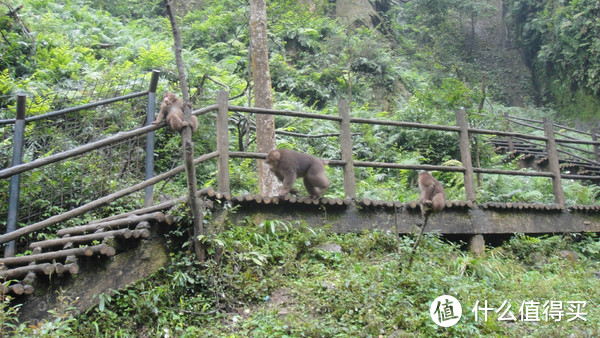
(590, 246)
(278, 278)
(502, 188)
(561, 41)
(243, 177)
(130, 9)
(8, 316)
(155, 57)
(17, 48)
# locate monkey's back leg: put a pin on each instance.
(176, 122)
(315, 181)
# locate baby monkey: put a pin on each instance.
(171, 109)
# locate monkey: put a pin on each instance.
(432, 195)
(288, 165)
(171, 109)
(432, 192)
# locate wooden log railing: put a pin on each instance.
(461, 128)
(99, 202)
(347, 161)
(566, 138)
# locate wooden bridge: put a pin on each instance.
(532, 154)
(115, 236)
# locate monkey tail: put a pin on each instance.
(414, 249)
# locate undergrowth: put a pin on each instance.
(286, 279)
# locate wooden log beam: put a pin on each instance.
(125, 233)
(76, 151)
(23, 271)
(115, 224)
(346, 149)
(254, 110)
(465, 154)
(159, 207)
(49, 256)
(559, 196)
(17, 289)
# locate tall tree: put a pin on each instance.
(186, 140)
(265, 124)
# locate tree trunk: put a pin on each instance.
(186, 140)
(265, 124)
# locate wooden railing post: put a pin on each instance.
(346, 148)
(465, 154)
(150, 110)
(594, 132)
(511, 146)
(223, 141)
(15, 180)
(553, 165)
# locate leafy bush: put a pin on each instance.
(561, 44)
(275, 278)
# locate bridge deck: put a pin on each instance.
(459, 217)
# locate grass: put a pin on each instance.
(277, 279)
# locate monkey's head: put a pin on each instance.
(169, 98)
(273, 159)
(423, 173)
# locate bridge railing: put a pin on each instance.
(588, 156)
(65, 149)
(347, 161)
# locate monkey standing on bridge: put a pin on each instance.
(288, 165)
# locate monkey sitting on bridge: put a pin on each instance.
(432, 192)
(432, 196)
(288, 165)
(171, 109)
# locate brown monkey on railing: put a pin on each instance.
(171, 109)
(288, 165)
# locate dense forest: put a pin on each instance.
(415, 61)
